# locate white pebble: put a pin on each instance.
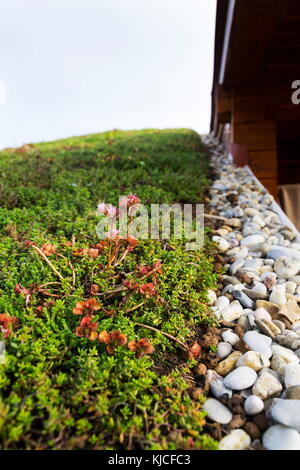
(221, 243)
(285, 353)
(240, 379)
(211, 295)
(281, 438)
(216, 385)
(254, 360)
(222, 302)
(235, 440)
(286, 267)
(253, 405)
(238, 264)
(262, 314)
(292, 375)
(230, 337)
(259, 221)
(268, 274)
(243, 253)
(278, 295)
(233, 312)
(217, 412)
(259, 343)
(224, 349)
(291, 287)
(252, 240)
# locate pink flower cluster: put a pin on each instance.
(113, 234)
(106, 209)
(128, 201)
(111, 211)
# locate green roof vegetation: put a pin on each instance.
(81, 371)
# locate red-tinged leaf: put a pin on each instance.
(194, 351)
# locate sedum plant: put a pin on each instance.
(101, 335)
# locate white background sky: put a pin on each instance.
(74, 67)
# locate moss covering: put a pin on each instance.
(59, 390)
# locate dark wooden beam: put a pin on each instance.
(222, 7)
(283, 40)
(283, 56)
(254, 24)
(224, 118)
(280, 76)
(294, 8)
(290, 25)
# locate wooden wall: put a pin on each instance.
(265, 131)
(263, 59)
(254, 129)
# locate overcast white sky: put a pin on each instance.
(74, 67)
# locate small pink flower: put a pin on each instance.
(101, 208)
(113, 234)
(132, 200)
(123, 202)
(128, 201)
(111, 211)
(106, 209)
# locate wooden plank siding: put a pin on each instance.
(252, 129)
(255, 97)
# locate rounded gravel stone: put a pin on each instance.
(241, 378)
(281, 438)
(253, 405)
(217, 412)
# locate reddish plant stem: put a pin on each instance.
(37, 250)
(122, 257)
(49, 284)
(183, 346)
(132, 309)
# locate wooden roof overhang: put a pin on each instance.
(257, 58)
(257, 43)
